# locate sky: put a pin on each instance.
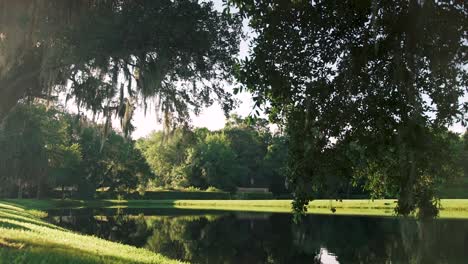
(212, 117)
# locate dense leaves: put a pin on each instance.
(114, 55)
(388, 75)
(240, 155)
(46, 149)
(364, 92)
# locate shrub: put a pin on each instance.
(191, 189)
(186, 195)
(213, 189)
(168, 195)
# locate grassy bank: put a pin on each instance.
(25, 238)
(450, 208)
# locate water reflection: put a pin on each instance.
(220, 237)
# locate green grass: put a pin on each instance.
(25, 238)
(450, 208)
(453, 208)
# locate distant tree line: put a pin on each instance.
(245, 153)
(46, 149)
(242, 154)
(48, 152)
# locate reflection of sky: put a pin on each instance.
(327, 257)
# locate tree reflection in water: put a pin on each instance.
(216, 237)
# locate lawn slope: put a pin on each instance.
(25, 238)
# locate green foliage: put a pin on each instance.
(28, 137)
(274, 166)
(166, 155)
(250, 144)
(186, 195)
(44, 149)
(124, 166)
(167, 195)
(243, 154)
(464, 158)
(192, 189)
(385, 75)
(212, 189)
(118, 54)
(211, 162)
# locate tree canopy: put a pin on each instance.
(48, 149)
(364, 92)
(240, 155)
(111, 56)
(388, 75)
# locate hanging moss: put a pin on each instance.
(92, 49)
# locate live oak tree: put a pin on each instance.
(387, 75)
(111, 56)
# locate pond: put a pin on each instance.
(240, 237)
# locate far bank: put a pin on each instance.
(450, 208)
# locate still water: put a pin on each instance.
(238, 237)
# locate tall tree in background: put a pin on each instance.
(274, 165)
(212, 162)
(47, 148)
(111, 56)
(111, 162)
(250, 144)
(240, 155)
(24, 159)
(388, 75)
(167, 155)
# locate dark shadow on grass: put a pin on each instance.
(56, 254)
(37, 204)
(9, 205)
(24, 219)
(13, 226)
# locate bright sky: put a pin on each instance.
(212, 118)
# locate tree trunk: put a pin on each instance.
(20, 189)
(39, 189)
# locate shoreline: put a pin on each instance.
(450, 208)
